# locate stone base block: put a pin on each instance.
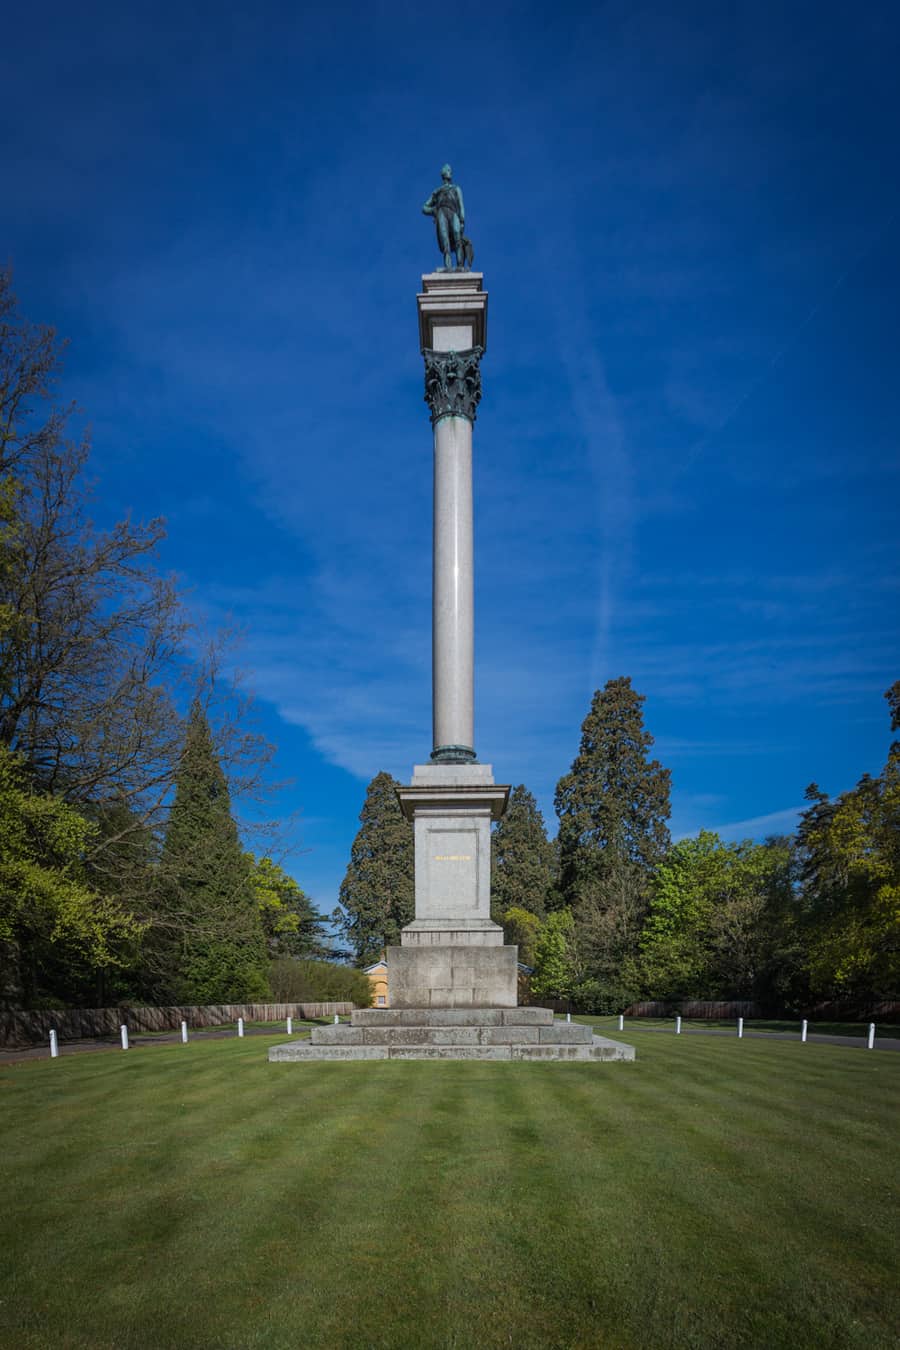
(444, 934)
(596, 1049)
(453, 977)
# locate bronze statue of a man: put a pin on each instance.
(446, 205)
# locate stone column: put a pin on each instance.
(451, 955)
(453, 594)
(452, 331)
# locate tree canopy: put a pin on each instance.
(291, 923)
(50, 914)
(613, 808)
(713, 929)
(522, 858)
(848, 852)
(377, 895)
(211, 932)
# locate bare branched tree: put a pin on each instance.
(99, 661)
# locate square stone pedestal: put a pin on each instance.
(440, 976)
(452, 954)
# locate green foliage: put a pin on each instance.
(48, 909)
(601, 997)
(521, 928)
(613, 806)
(377, 895)
(716, 920)
(291, 923)
(307, 981)
(522, 858)
(554, 952)
(848, 854)
(215, 950)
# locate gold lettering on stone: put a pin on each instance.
(453, 857)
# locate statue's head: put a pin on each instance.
(446, 173)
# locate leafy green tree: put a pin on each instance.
(848, 853)
(717, 919)
(555, 957)
(49, 912)
(522, 861)
(291, 923)
(213, 949)
(521, 928)
(613, 806)
(93, 661)
(377, 895)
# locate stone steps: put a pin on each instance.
(573, 1034)
(453, 1033)
(598, 1048)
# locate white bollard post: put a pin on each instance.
(184, 1033)
(290, 1026)
(621, 1021)
(678, 1024)
(568, 1017)
(240, 1026)
(740, 1027)
(871, 1044)
(54, 1045)
(124, 1031)
(803, 1031)
(336, 1019)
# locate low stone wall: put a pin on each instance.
(76, 1024)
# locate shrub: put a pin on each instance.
(598, 997)
(319, 982)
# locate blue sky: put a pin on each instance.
(687, 464)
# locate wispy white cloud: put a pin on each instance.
(758, 827)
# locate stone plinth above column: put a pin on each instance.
(452, 312)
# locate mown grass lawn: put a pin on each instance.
(714, 1193)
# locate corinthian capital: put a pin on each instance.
(453, 383)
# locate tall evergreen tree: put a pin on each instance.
(213, 941)
(522, 859)
(613, 806)
(377, 895)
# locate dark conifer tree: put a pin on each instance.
(522, 858)
(209, 922)
(377, 895)
(613, 806)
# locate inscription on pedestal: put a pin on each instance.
(452, 882)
